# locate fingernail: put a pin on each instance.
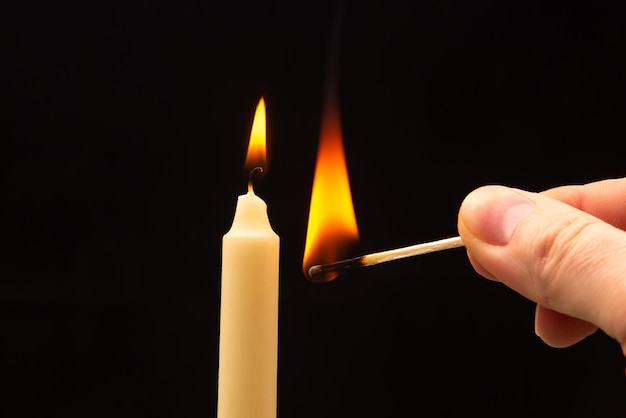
(492, 213)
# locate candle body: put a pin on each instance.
(248, 347)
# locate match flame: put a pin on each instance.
(332, 226)
(257, 147)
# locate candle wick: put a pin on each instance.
(253, 173)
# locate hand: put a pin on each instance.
(564, 249)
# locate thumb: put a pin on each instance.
(554, 254)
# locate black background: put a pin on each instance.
(124, 145)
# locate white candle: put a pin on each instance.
(248, 351)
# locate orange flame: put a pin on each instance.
(332, 226)
(257, 147)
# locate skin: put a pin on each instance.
(564, 248)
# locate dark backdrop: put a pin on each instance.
(126, 126)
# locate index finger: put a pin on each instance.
(604, 199)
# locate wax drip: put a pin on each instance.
(253, 174)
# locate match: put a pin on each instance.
(318, 273)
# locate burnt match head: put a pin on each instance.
(317, 274)
(323, 273)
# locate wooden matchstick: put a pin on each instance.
(318, 273)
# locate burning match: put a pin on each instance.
(332, 223)
(319, 272)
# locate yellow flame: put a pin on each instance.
(257, 147)
(332, 226)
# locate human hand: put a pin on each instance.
(564, 249)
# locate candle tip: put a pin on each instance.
(253, 173)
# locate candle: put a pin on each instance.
(248, 350)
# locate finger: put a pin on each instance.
(605, 199)
(560, 330)
(552, 253)
(479, 269)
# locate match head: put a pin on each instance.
(317, 274)
(328, 272)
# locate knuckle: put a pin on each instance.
(565, 244)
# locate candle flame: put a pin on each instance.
(256, 156)
(332, 226)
